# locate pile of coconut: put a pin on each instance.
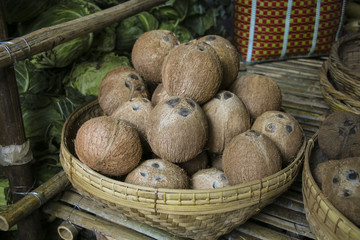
(201, 126)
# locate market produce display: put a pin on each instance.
(192, 119)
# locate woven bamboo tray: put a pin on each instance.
(198, 214)
(326, 222)
(344, 65)
(336, 100)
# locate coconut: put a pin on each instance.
(227, 117)
(149, 51)
(158, 173)
(118, 86)
(229, 58)
(109, 146)
(216, 160)
(159, 94)
(284, 130)
(250, 156)
(177, 129)
(341, 186)
(259, 93)
(337, 132)
(209, 178)
(136, 111)
(197, 163)
(192, 70)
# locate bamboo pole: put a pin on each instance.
(91, 222)
(33, 201)
(12, 133)
(67, 231)
(47, 38)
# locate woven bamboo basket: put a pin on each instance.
(198, 214)
(325, 221)
(336, 100)
(344, 65)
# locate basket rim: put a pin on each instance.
(292, 167)
(320, 197)
(333, 97)
(334, 53)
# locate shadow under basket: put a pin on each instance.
(198, 214)
(325, 221)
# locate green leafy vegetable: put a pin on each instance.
(131, 28)
(63, 54)
(86, 76)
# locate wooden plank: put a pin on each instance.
(260, 232)
(286, 214)
(283, 224)
(288, 204)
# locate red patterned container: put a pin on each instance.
(279, 29)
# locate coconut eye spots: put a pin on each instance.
(217, 96)
(351, 175)
(227, 95)
(158, 178)
(133, 76)
(145, 100)
(201, 48)
(184, 112)
(210, 38)
(143, 173)
(335, 180)
(270, 127)
(173, 102)
(165, 37)
(127, 84)
(341, 131)
(280, 116)
(288, 129)
(155, 165)
(223, 177)
(136, 107)
(348, 122)
(353, 130)
(190, 102)
(216, 184)
(139, 88)
(347, 192)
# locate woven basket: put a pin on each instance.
(198, 214)
(266, 30)
(336, 100)
(344, 65)
(325, 221)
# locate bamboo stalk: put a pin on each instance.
(12, 133)
(47, 38)
(91, 222)
(67, 231)
(32, 201)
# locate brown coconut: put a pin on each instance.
(209, 178)
(192, 70)
(337, 131)
(158, 173)
(216, 160)
(149, 51)
(227, 117)
(259, 93)
(341, 186)
(250, 156)
(177, 129)
(284, 130)
(197, 163)
(229, 58)
(109, 146)
(118, 86)
(136, 111)
(159, 94)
